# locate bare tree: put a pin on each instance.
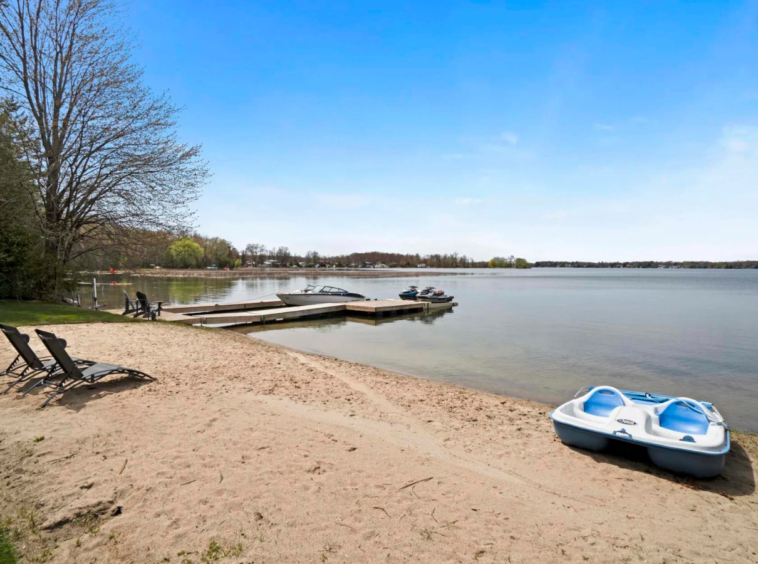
(312, 257)
(255, 250)
(103, 147)
(283, 255)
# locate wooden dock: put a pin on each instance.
(216, 308)
(267, 311)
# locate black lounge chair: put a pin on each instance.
(73, 375)
(27, 364)
(142, 306)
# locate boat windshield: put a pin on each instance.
(311, 289)
(332, 290)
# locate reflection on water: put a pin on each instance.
(325, 324)
(540, 334)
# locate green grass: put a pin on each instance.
(7, 553)
(46, 313)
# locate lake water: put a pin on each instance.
(539, 334)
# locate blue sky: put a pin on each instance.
(550, 130)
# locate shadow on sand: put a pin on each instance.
(77, 398)
(737, 479)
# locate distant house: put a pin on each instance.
(368, 265)
(380, 265)
(270, 263)
(422, 265)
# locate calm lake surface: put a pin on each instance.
(539, 334)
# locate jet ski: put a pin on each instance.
(434, 296)
(682, 435)
(409, 293)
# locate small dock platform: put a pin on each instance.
(267, 311)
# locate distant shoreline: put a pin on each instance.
(280, 273)
(652, 264)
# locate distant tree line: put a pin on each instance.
(508, 262)
(191, 250)
(740, 264)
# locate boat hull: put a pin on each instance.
(408, 297)
(434, 300)
(312, 299)
(678, 461)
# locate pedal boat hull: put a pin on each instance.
(665, 453)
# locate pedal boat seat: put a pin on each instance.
(603, 401)
(682, 417)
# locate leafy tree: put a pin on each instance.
(219, 252)
(186, 253)
(19, 238)
(499, 262)
(522, 263)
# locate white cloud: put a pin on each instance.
(509, 137)
(467, 201)
(605, 127)
(740, 139)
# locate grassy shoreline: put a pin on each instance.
(50, 313)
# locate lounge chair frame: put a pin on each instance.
(74, 375)
(27, 364)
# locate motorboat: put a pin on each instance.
(409, 293)
(318, 295)
(434, 296)
(682, 435)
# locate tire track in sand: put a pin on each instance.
(412, 433)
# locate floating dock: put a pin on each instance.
(267, 311)
(216, 308)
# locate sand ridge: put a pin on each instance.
(244, 451)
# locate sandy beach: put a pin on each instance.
(243, 452)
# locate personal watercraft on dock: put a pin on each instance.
(435, 297)
(682, 435)
(413, 293)
(409, 293)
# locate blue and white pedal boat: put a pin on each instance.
(682, 435)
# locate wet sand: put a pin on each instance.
(243, 451)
